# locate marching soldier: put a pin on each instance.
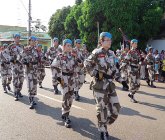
(100, 65)
(80, 77)
(30, 60)
(65, 65)
(15, 50)
(51, 54)
(5, 68)
(124, 67)
(150, 67)
(133, 57)
(41, 64)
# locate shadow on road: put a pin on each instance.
(158, 107)
(80, 125)
(48, 89)
(151, 94)
(87, 100)
(130, 112)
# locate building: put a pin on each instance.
(7, 32)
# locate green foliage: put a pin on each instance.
(56, 23)
(137, 18)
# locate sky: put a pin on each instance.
(15, 12)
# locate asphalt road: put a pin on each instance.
(142, 121)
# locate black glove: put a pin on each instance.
(59, 79)
(78, 60)
(44, 58)
(124, 83)
(2, 64)
(7, 62)
(12, 60)
(34, 63)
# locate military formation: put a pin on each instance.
(69, 66)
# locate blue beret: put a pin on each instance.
(39, 45)
(32, 38)
(67, 41)
(78, 41)
(55, 39)
(106, 34)
(134, 41)
(16, 35)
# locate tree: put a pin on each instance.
(56, 23)
(78, 2)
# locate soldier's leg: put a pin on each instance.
(16, 83)
(54, 80)
(66, 105)
(42, 76)
(133, 86)
(34, 90)
(21, 80)
(4, 81)
(9, 79)
(113, 104)
(76, 89)
(39, 75)
(151, 77)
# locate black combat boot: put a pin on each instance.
(125, 86)
(131, 95)
(55, 89)
(104, 136)
(67, 122)
(152, 85)
(16, 96)
(8, 87)
(31, 103)
(20, 94)
(40, 84)
(4, 89)
(77, 97)
(148, 82)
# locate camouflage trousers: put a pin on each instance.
(124, 73)
(54, 76)
(31, 78)
(107, 107)
(142, 71)
(151, 72)
(41, 75)
(67, 100)
(18, 77)
(79, 80)
(6, 77)
(134, 80)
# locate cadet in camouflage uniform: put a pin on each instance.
(51, 54)
(124, 67)
(41, 65)
(150, 60)
(133, 57)
(30, 60)
(65, 64)
(80, 77)
(100, 65)
(5, 68)
(15, 49)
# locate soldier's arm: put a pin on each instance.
(90, 64)
(57, 64)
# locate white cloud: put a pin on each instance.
(12, 12)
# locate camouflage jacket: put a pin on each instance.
(4, 59)
(79, 57)
(30, 59)
(52, 53)
(41, 60)
(15, 52)
(133, 57)
(150, 59)
(65, 65)
(101, 65)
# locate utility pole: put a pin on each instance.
(30, 19)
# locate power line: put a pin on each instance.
(24, 6)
